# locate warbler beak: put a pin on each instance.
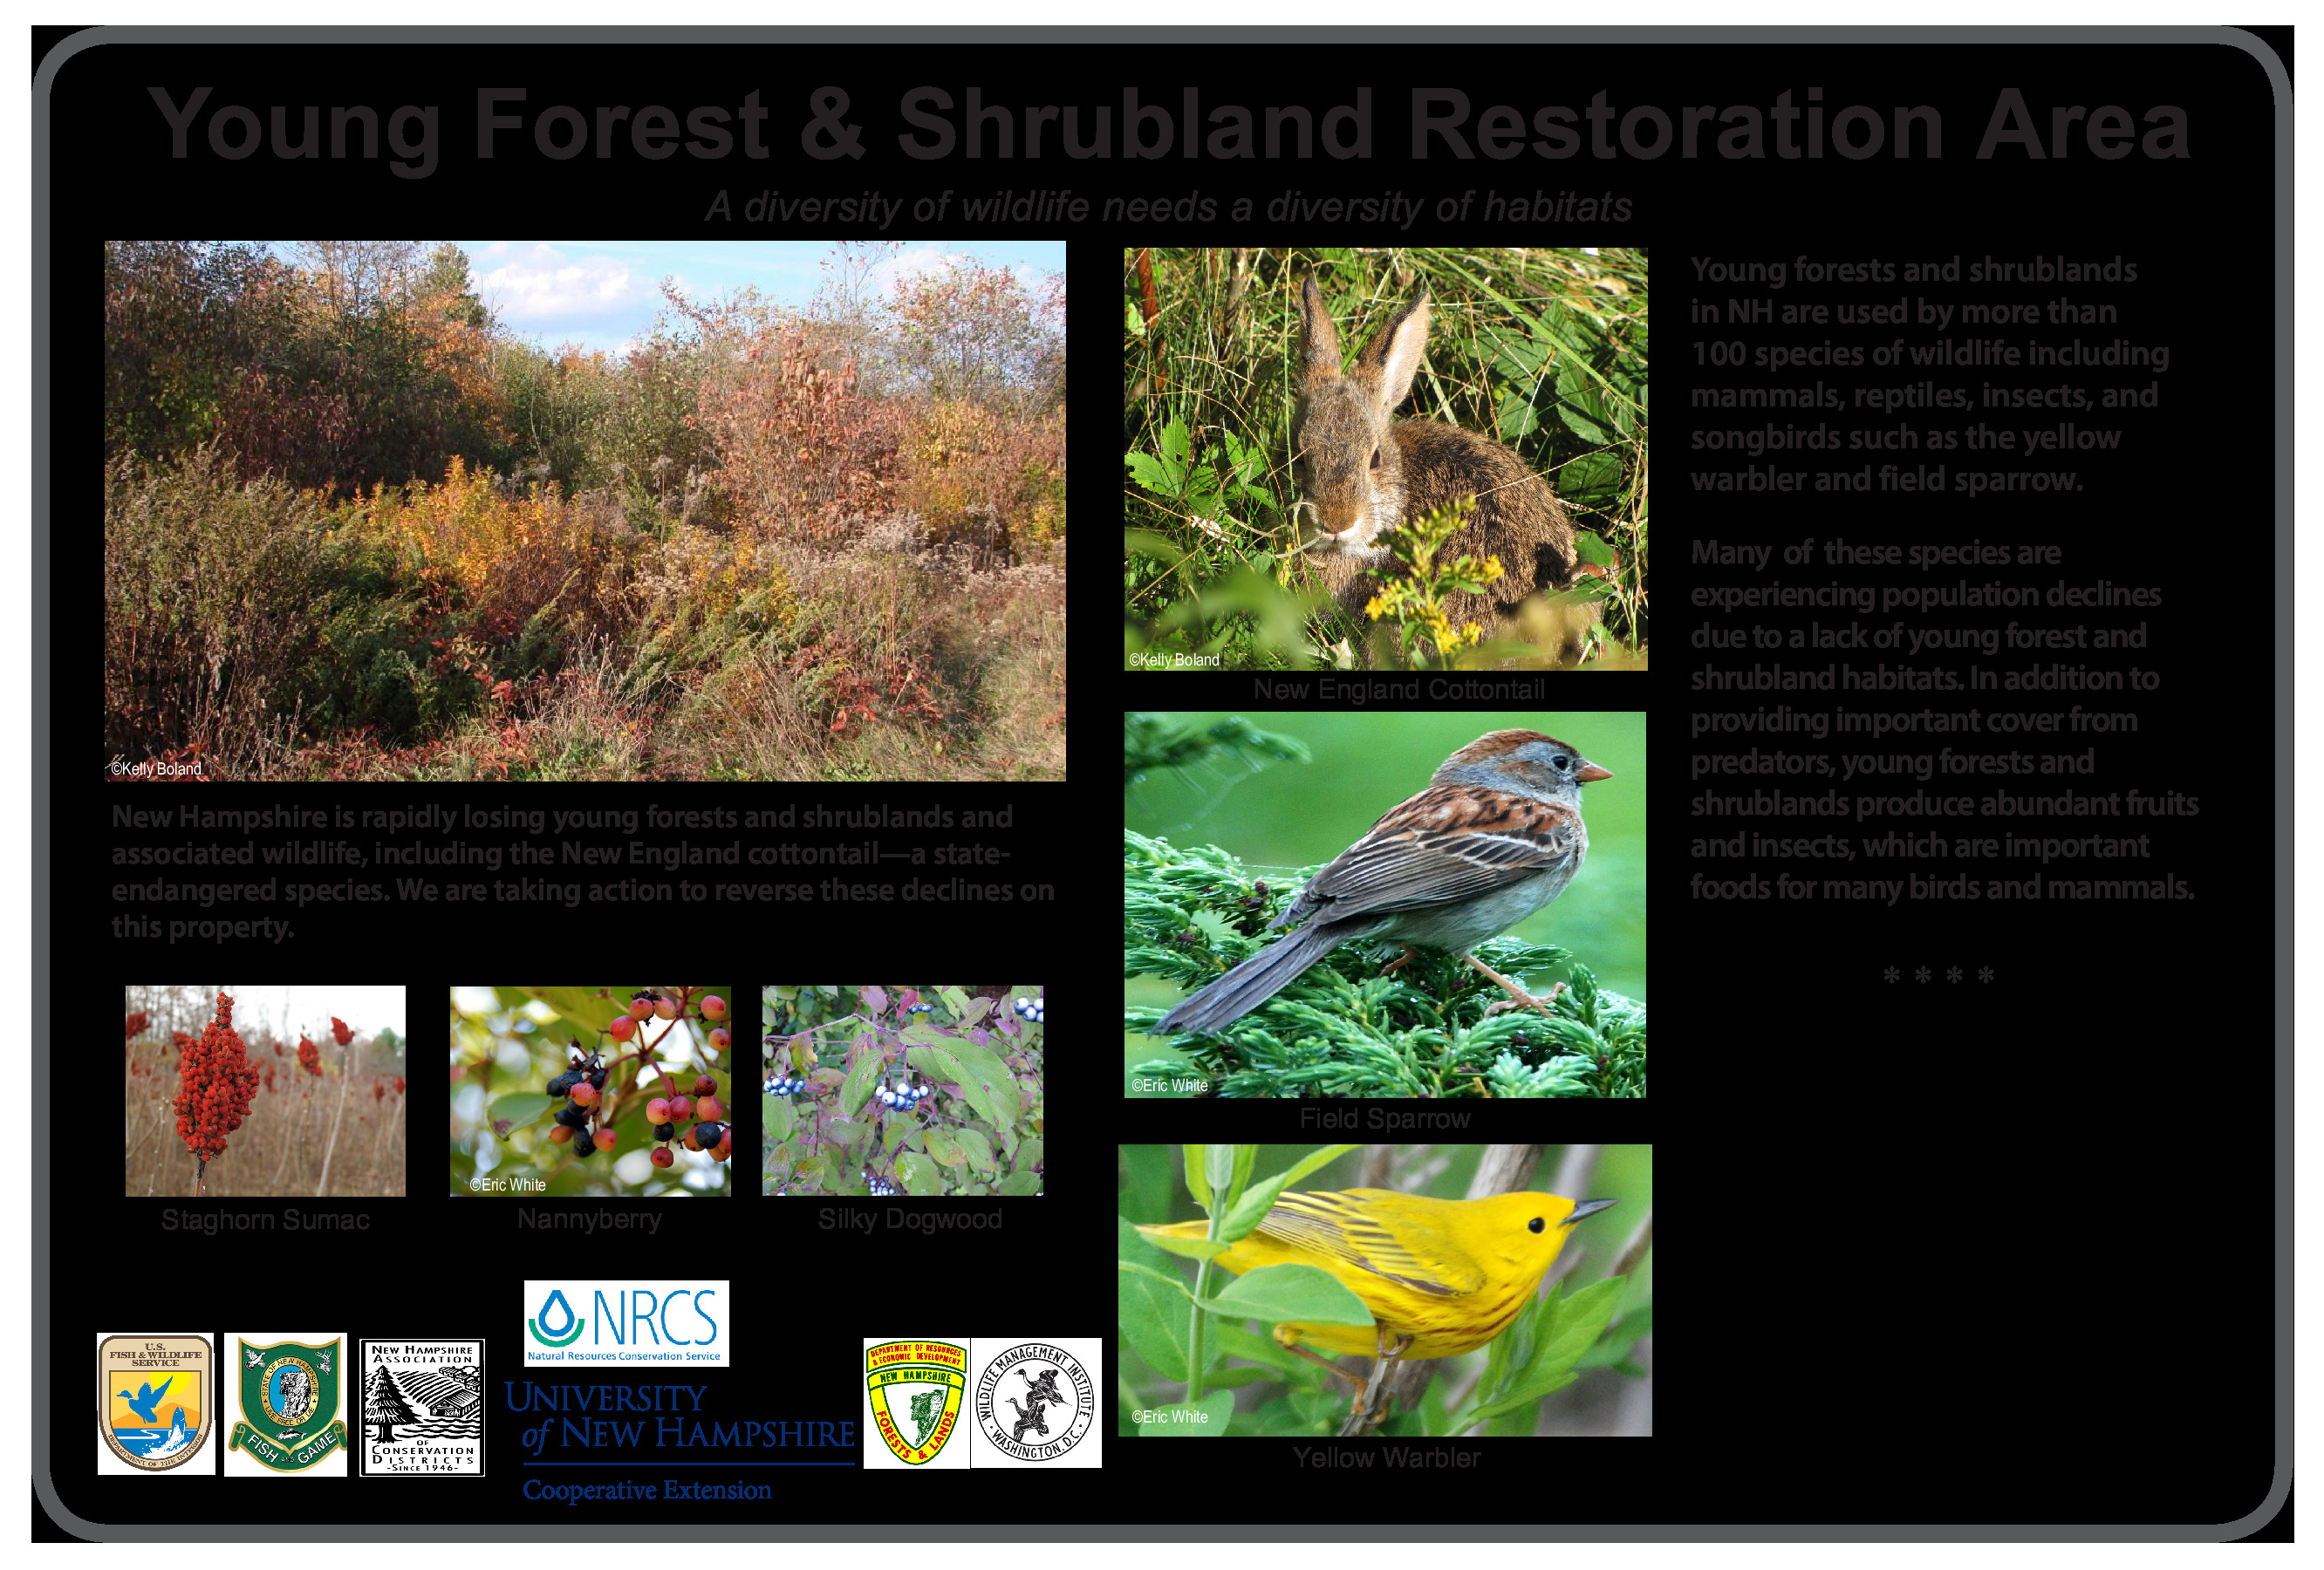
(1590, 1208)
(1591, 771)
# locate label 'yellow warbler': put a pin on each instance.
(1449, 1273)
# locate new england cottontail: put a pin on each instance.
(1363, 472)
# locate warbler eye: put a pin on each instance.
(1562, 762)
(1533, 1224)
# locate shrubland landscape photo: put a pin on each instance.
(518, 511)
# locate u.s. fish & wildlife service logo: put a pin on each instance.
(915, 1390)
(155, 1396)
(1035, 1401)
(290, 1404)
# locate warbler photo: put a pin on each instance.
(1439, 1253)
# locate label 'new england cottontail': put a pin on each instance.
(1363, 472)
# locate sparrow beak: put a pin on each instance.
(1590, 771)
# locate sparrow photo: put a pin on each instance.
(1309, 934)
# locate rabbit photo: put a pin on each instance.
(1362, 473)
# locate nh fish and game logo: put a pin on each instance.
(155, 1396)
(290, 1414)
(423, 1408)
(914, 1391)
(626, 1322)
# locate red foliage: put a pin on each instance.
(136, 1026)
(219, 1084)
(398, 1084)
(341, 1032)
(310, 1058)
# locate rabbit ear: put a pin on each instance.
(1322, 359)
(1389, 362)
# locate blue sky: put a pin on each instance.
(602, 293)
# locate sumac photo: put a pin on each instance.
(763, 512)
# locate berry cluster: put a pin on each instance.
(310, 1055)
(903, 1097)
(1029, 1008)
(710, 1134)
(778, 1085)
(582, 1084)
(921, 1009)
(881, 1187)
(219, 1083)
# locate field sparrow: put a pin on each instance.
(1496, 835)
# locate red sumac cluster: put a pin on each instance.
(341, 1031)
(219, 1084)
(310, 1058)
(136, 1026)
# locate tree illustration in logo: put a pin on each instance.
(926, 1408)
(384, 1406)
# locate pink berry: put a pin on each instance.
(666, 1009)
(585, 1094)
(679, 1107)
(662, 1156)
(605, 1138)
(713, 1007)
(718, 1040)
(657, 1111)
(622, 1028)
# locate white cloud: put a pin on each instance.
(541, 283)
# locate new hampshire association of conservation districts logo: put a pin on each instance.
(290, 1404)
(423, 1408)
(1035, 1400)
(153, 1403)
(915, 1388)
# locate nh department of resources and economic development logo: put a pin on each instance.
(155, 1399)
(914, 1390)
(627, 1322)
(290, 1403)
(423, 1408)
(1035, 1402)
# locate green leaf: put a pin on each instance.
(1220, 1162)
(781, 1120)
(1018, 1183)
(1244, 1219)
(510, 1113)
(944, 1148)
(1530, 1393)
(1285, 1293)
(1576, 1325)
(1192, 1247)
(1151, 1309)
(1198, 1174)
(982, 1078)
(579, 1007)
(1613, 1349)
(976, 1149)
(1205, 1419)
(856, 1090)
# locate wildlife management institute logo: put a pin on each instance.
(1035, 1401)
(290, 1403)
(915, 1388)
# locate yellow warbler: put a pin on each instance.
(1450, 1275)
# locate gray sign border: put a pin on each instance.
(43, 825)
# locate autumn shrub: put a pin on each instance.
(799, 448)
(212, 586)
(975, 472)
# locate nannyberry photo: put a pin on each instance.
(285, 1097)
(896, 1091)
(591, 1090)
(589, 510)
